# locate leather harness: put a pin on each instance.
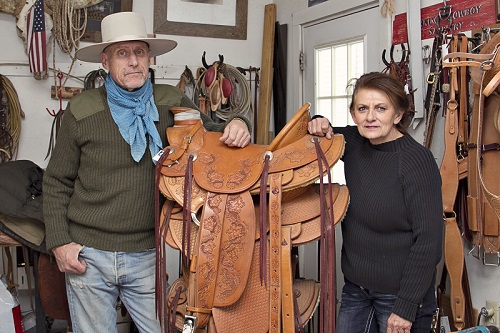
(472, 156)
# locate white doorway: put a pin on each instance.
(349, 36)
(335, 52)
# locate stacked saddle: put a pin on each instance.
(235, 214)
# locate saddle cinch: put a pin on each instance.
(235, 213)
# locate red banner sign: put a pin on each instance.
(464, 15)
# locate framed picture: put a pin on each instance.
(314, 2)
(97, 12)
(201, 18)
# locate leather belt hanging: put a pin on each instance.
(453, 248)
(432, 96)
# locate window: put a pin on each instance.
(336, 67)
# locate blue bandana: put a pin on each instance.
(135, 113)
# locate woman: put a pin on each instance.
(392, 232)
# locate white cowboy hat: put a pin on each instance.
(122, 27)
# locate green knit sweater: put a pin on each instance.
(95, 194)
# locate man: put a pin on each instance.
(99, 183)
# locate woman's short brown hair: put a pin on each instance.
(393, 88)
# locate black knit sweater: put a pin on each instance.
(95, 194)
(393, 229)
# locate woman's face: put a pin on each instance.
(375, 116)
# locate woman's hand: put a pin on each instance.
(320, 127)
(396, 324)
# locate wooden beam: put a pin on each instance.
(66, 92)
(266, 77)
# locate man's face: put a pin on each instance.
(127, 63)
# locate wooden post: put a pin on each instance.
(66, 92)
(266, 78)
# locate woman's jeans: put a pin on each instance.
(365, 311)
(93, 296)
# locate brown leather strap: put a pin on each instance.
(287, 297)
(210, 236)
(263, 219)
(492, 85)
(453, 251)
(176, 155)
(187, 122)
(161, 277)
(327, 248)
(473, 198)
(454, 260)
(474, 60)
(275, 253)
(172, 311)
(491, 198)
(463, 104)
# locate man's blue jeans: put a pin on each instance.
(366, 311)
(93, 296)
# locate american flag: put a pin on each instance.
(36, 42)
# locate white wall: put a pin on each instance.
(35, 95)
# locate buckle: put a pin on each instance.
(491, 259)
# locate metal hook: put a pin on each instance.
(391, 55)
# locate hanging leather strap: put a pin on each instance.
(432, 96)
(463, 104)
(287, 296)
(275, 253)
(327, 248)
(453, 248)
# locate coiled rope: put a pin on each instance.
(69, 28)
(10, 120)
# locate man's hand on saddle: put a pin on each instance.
(236, 134)
(67, 258)
(320, 127)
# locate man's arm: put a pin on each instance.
(236, 130)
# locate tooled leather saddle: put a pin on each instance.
(235, 214)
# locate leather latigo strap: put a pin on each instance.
(432, 98)
(287, 294)
(453, 249)
(275, 253)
